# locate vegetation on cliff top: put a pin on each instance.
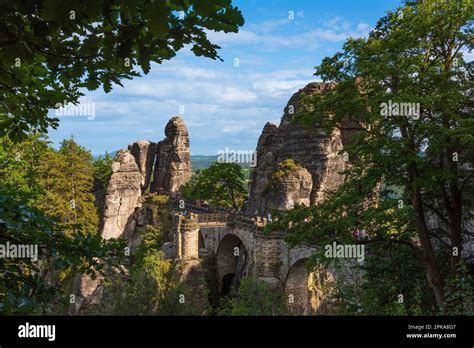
(285, 167)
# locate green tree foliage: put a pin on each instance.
(254, 297)
(67, 176)
(103, 170)
(102, 174)
(387, 283)
(160, 201)
(28, 286)
(51, 49)
(180, 300)
(284, 168)
(20, 163)
(414, 55)
(139, 292)
(221, 184)
(147, 286)
(460, 299)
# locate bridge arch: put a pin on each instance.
(232, 260)
(307, 289)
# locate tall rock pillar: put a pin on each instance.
(122, 195)
(173, 162)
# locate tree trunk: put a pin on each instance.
(432, 271)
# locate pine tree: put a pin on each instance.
(27, 286)
(67, 176)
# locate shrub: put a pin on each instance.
(254, 297)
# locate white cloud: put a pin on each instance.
(181, 70)
(309, 39)
(235, 94)
(468, 55)
(332, 22)
(223, 105)
(270, 25)
(219, 109)
(234, 127)
(363, 27)
(334, 30)
(278, 89)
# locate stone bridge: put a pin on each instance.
(238, 247)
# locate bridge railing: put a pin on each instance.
(213, 218)
(208, 214)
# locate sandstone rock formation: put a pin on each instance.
(173, 163)
(86, 290)
(125, 210)
(144, 152)
(289, 185)
(123, 191)
(317, 153)
(132, 171)
(191, 274)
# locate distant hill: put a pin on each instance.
(197, 161)
(112, 154)
(202, 161)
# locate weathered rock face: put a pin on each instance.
(87, 291)
(311, 148)
(126, 211)
(191, 273)
(132, 171)
(173, 163)
(144, 152)
(290, 184)
(122, 195)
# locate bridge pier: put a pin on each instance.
(267, 258)
(187, 237)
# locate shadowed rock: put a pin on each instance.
(144, 152)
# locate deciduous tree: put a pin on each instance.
(413, 55)
(50, 50)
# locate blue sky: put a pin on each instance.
(226, 105)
